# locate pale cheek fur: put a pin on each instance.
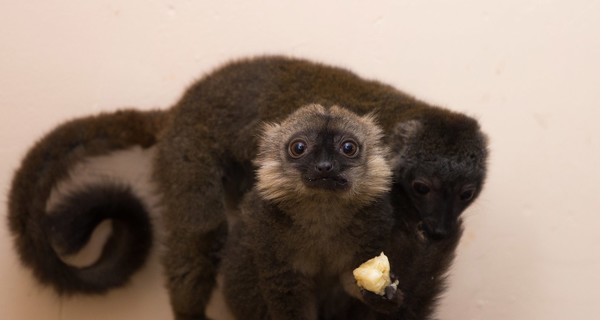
(375, 180)
(277, 183)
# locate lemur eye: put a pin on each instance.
(421, 188)
(467, 195)
(297, 148)
(349, 149)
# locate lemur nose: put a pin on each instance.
(324, 166)
(435, 230)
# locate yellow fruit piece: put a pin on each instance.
(374, 275)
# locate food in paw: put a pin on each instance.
(374, 275)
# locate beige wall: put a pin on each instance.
(529, 70)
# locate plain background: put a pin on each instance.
(529, 70)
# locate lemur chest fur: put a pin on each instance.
(321, 240)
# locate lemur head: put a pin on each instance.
(439, 162)
(323, 154)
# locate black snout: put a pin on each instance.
(324, 166)
(435, 230)
(326, 175)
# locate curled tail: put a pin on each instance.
(42, 235)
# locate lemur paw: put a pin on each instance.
(389, 302)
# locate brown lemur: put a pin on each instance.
(318, 209)
(441, 172)
(204, 159)
(213, 137)
(44, 234)
(445, 152)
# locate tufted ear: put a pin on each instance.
(399, 138)
(268, 139)
(407, 129)
(269, 131)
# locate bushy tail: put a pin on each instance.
(40, 236)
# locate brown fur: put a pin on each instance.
(39, 234)
(295, 236)
(204, 160)
(215, 130)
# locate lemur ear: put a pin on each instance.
(402, 133)
(269, 130)
(406, 129)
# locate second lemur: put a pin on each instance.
(319, 209)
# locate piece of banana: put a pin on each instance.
(374, 275)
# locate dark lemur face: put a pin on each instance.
(320, 153)
(441, 168)
(321, 158)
